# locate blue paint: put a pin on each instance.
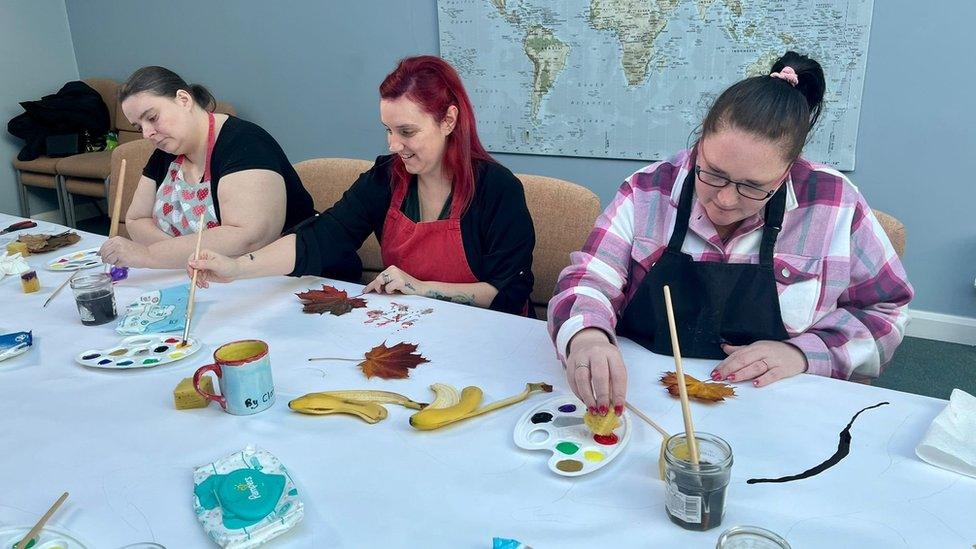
(567, 408)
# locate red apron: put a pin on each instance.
(179, 203)
(430, 250)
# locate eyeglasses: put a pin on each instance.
(745, 189)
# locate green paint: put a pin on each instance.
(567, 448)
(150, 361)
(30, 544)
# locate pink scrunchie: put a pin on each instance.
(787, 74)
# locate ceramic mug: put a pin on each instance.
(243, 370)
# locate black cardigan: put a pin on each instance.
(496, 231)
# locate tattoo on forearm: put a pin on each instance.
(464, 299)
(410, 286)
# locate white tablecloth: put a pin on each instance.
(114, 440)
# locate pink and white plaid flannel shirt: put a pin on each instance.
(842, 289)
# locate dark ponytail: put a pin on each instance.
(165, 83)
(771, 107)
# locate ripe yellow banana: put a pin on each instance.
(432, 418)
(424, 421)
(322, 404)
(367, 395)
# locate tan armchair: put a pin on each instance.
(894, 229)
(326, 179)
(564, 214)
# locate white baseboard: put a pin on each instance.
(940, 327)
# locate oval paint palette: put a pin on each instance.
(557, 426)
(139, 352)
(85, 259)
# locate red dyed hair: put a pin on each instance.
(434, 85)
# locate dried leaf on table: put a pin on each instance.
(391, 362)
(330, 300)
(41, 243)
(707, 391)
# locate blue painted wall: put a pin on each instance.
(36, 58)
(308, 72)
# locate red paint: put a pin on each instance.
(606, 440)
(172, 340)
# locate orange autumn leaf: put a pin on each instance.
(707, 391)
(391, 362)
(329, 300)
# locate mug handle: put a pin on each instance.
(215, 368)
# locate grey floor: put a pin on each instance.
(920, 366)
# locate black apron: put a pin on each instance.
(714, 303)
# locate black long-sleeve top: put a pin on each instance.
(496, 231)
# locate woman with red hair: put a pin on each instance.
(452, 223)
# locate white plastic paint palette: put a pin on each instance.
(85, 259)
(557, 426)
(139, 352)
(49, 538)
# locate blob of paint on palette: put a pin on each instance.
(140, 352)
(556, 425)
(74, 261)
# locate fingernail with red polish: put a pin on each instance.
(731, 377)
(591, 410)
(755, 383)
(604, 410)
(716, 376)
(618, 409)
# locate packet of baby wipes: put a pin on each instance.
(245, 499)
(15, 344)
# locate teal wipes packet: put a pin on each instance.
(245, 499)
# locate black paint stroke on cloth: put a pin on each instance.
(843, 448)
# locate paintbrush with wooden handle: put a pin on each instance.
(193, 283)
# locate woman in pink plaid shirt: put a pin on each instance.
(776, 265)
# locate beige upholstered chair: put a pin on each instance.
(564, 214)
(326, 179)
(894, 229)
(136, 154)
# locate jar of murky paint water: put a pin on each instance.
(750, 537)
(695, 494)
(95, 298)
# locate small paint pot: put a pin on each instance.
(95, 298)
(119, 273)
(695, 494)
(750, 537)
(29, 282)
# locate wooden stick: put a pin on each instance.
(117, 206)
(61, 287)
(682, 388)
(40, 524)
(193, 284)
(649, 421)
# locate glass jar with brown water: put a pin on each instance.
(695, 494)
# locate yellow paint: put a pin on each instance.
(118, 352)
(176, 354)
(240, 350)
(592, 455)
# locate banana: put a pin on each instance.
(601, 425)
(322, 404)
(424, 421)
(432, 418)
(364, 395)
(445, 396)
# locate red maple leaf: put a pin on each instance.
(329, 300)
(391, 362)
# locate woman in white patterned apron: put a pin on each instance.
(217, 169)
